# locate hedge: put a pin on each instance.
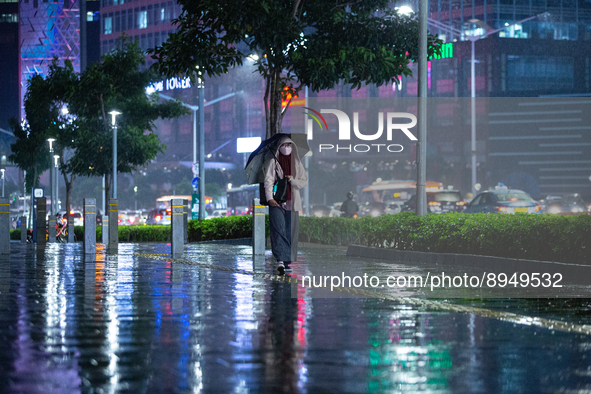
(564, 239)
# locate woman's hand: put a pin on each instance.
(273, 203)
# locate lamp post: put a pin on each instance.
(51, 175)
(473, 39)
(114, 114)
(56, 183)
(2, 181)
(201, 109)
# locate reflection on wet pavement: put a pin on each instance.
(72, 323)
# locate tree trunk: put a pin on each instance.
(69, 187)
(273, 102)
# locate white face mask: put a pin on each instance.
(286, 150)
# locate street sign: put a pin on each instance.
(195, 168)
(195, 183)
(195, 209)
(38, 192)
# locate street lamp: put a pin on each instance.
(114, 114)
(51, 177)
(56, 182)
(196, 108)
(2, 170)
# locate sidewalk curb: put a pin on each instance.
(575, 273)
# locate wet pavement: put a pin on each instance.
(215, 321)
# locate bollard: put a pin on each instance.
(89, 225)
(258, 228)
(41, 225)
(113, 224)
(23, 229)
(185, 219)
(4, 225)
(71, 231)
(176, 224)
(105, 229)
(51, 230)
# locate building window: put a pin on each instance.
(8, 18)
(142, 19)
(108, 25)
(540, 73)
(89, 16)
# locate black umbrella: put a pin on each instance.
(256, 160)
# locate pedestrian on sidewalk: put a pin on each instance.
(284, 217)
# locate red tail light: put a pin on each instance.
(461, 203)
(501, 208)
(158, 218)
(434, 203)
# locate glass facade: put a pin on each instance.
(149, 24)
(540, 73)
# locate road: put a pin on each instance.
(215, 321)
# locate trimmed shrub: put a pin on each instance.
(564, 239)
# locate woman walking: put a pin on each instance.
(284, 217)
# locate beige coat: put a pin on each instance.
(273, 171)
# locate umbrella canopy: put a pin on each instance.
(254, 166)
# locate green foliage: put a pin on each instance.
(15, 234)
(537, 237)
(117, 83)
(220, 228)
(44, 101)
(563, 239)
(298, 43)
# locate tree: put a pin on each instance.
(298, 43)
(44, 103)
(117, 82)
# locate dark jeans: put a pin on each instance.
(285, 226)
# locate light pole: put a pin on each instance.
(201, 91)
(2, 181)
(473, 39)
(201, 109)
(51, 175)
(56, 183)
(114, 114)
(421, 208)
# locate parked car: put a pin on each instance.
(504, 201)
(372, 208)
(441, 201)
(569, 203)
(217, 213)
(394, 207)
(159, 216)
(551, 204)
(320, 210)
(134, 218)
